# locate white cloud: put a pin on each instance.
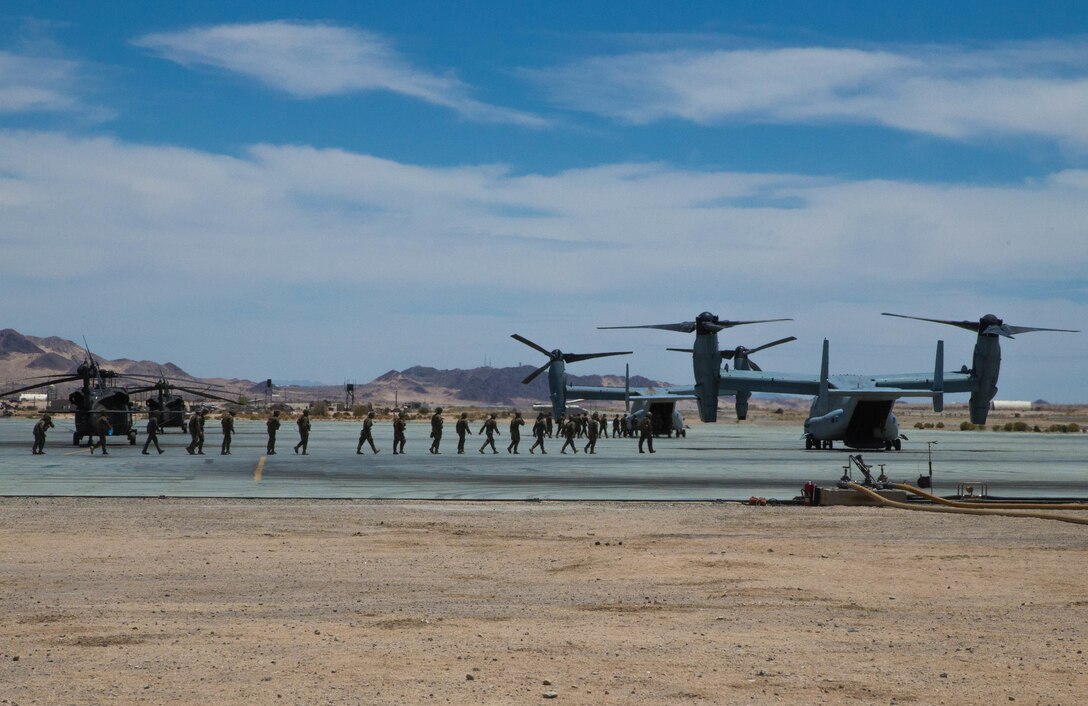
(1036, 89)
(36, 84)
(397, 263)
(311, 60)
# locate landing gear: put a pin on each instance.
(898, 445)
(812, 442)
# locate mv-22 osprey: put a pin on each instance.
(857, 409)
(661, 402)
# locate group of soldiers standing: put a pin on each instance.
(575, 426)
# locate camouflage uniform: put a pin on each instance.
(591, 433)
(227, 423)
(462, 430)
(568, 429)
(102, 430)
(436, 430)
(646, 433)
(152, 434)
(196, 434)
(303, 432)
(367, 435)
(273, 425)
(491, 427)
(44, 424)
(515, 433)
(540, 428)
(400, 424)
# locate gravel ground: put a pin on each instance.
(292, 601)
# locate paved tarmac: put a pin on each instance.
(722, 461)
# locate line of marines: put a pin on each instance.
(576, 426)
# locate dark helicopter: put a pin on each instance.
(167, 406)
(99, 397)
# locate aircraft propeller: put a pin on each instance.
(740, 352)
(557, 355)
(988, 325)
(704, 323)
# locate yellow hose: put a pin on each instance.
(987, 503)
(967, 510)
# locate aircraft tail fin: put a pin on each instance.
(823, 395)
(938, 379)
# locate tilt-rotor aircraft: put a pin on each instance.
(857, 409)
(637, 400)
(706, 359)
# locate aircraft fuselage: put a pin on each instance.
(859, 424)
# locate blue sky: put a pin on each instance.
(246, 190)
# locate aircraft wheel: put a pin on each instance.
(808, 443)
(898, 445)
(887, 446)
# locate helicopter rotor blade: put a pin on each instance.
(532, 345)
(681, 350)
(538, 371)
(54, 381)
(575, 357)
(206, 395)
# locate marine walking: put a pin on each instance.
(463, 430)
(491, 428)
(273, 425)
(303, 423)
(515, 433)
(152, 434)
(436, 430)
(227, 422)
(366, 436)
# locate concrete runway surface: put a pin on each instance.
(722, 461)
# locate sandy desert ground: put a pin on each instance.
(232, 601)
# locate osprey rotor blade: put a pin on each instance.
(969, 325)
(720, 325)
(681, 350)
(779, 342)
(682, 327)
(1029, 329)
(575, 357)
(532, 345)
(538, 371)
